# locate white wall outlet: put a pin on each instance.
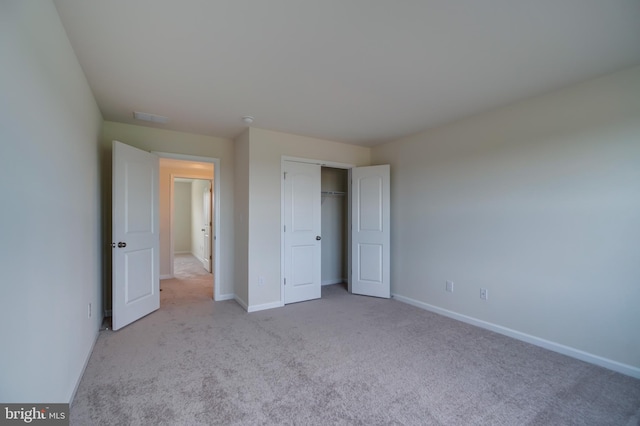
(484, 294)
(449, 286)
(261, 280)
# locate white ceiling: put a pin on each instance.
(355, 71)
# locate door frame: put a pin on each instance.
(216, 211)
(320, 163)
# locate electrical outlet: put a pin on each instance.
(449, 286)
(484, 294)
(89, 311)
(260, 280)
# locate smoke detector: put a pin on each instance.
(247, 120)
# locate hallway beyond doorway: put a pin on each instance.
(187, 266)
(191, 282)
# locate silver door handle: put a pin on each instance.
(318, 237)
(121, 244)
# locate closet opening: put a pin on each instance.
(334, 216)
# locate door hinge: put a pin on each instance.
(285, 175)
(210, 257)
(285, 281)
(285, 228)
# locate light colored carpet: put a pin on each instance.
(343, 359)
(186, 266)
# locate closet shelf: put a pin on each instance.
(332, 193)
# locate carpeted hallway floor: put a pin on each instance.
(186, 266)
(190, 278)
(343, 359)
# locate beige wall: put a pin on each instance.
(50, 228)
(539, 203)
(266, 149)
(181, 218)
(159, 140)
(241, 212)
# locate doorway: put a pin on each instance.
(191, 227)
(142, 196)
(333, 215)
(189, 206)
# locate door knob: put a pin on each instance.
(318, 237)
(121, 244)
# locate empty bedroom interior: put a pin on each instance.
(535, 201)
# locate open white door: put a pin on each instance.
(135, 232)
(206, 204)
(370, 231)
(302, 221)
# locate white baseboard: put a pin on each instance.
(265, 306)
(182, 252)
(619, 367)
(256, 308)
(167, 277)
(241, 302)
(333, 281)
(225, 297)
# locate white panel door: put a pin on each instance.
(135, 231)
(302, 221)
(370, 233)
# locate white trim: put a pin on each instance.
(218, 231)
(265, 306)
(333, 164)
(241, 302)
(185, 252)
(84, 367)
(167, 277)
(282, 207)
(225, 297)
(333, 281)
(626, 369)
(320, 163)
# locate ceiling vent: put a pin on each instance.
(145, 116)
